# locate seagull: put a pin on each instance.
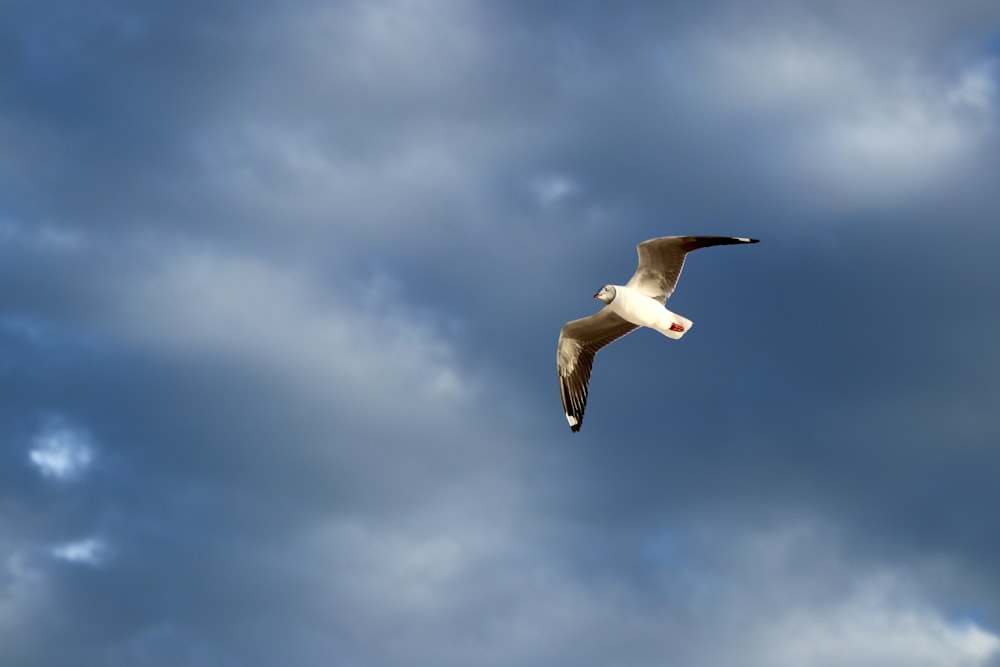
(641, 302)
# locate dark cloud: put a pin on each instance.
(291, 276)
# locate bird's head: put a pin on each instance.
(607, 294)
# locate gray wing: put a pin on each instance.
(579, 341)
(661, 261)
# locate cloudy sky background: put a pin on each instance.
(280, 287)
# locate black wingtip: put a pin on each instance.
(575, 428)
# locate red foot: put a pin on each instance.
(676, 327)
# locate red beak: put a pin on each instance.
(597, 296)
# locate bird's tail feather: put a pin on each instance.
(674, 325)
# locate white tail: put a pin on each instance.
(674, 325)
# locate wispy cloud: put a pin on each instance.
(62, 452)
(25, 589)
(553, 188)
(90, 551)
(319, 254)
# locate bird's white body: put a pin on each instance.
(633, 306)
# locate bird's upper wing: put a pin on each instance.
(579, 341)
(661, 261)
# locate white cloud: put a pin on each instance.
(467, 581)
(916, 128)
(869, 627)
(22, 592)
(301, 174)
(783, 72)
(553, 188)
(353, 341)
(976, 87)
(885, 151)
(89, 551)
(416, 43)
(857, 120)
(62, 452)
(797, 595)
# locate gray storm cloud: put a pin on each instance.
(280, 286)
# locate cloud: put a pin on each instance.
(354, 338)
(27, 598)
(867, 124)
(976, 89)
(22, 586)
(797, 595)
(89, 551)
(62, 452)
(506, 593)
(870, 630)
(296, 272)
(915, 139)
(553, 188)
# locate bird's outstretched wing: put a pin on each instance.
(579, 341)
(661, 261)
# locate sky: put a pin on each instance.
(280, 290)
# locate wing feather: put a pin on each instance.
(661, 261)
(579, 342)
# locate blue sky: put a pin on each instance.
(280, 289)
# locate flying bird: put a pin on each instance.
(641, 302)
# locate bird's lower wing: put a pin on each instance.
(579, 342)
